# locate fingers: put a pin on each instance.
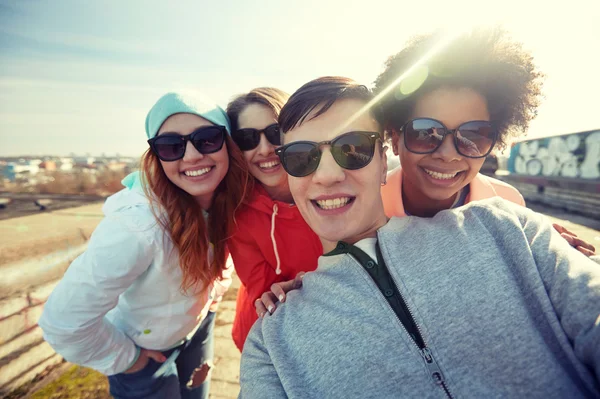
(559, 228)
(563, 230)
(579, 244)
(575, 241)
(279, 292)
(265, 304)
(261, 310)
(298, 280)
(269, 300)
(156, 355)
(586, 251)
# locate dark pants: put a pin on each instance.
(172, 383)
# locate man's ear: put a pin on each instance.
(395, 140)
(384, 150)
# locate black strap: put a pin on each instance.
(382, 278)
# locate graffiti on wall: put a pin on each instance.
(574, 155)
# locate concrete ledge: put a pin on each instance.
(29, 374)
(11, 306)
(17, 324)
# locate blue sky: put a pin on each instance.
(79, 76)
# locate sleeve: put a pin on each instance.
(573, 284)
(258, 377)
(254, 271)
(73, 320)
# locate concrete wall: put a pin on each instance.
(574, 155)
(561, 171)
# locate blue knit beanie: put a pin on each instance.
(178, 103)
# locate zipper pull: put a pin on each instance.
(434, 369)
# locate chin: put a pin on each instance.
(333, 235)
(272, 181)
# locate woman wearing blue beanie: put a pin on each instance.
(138, 304)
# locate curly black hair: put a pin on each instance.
(487, 61)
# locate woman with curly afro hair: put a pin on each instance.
(446, 115)
(483, 85)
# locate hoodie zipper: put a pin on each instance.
(434, 369)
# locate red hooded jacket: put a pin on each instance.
(272, 243)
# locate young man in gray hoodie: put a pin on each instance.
(486, 300)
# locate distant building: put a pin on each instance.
(49, 166)
(84, 161)
(66, 164)
(116, 166)
(21, 170)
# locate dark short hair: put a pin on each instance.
(270, 97)
(322, 92)
(487, 61)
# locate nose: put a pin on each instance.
(447, 151)
(328, 172)
(191, 153)
(264, 147)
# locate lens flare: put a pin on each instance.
(412, 75)
(412, 82)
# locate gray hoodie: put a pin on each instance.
(505, 306)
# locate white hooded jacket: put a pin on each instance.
(124, 292)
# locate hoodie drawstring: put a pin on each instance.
(278, 270)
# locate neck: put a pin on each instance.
(280, 193)
(370, 232)
(205, 201)
(418, 204)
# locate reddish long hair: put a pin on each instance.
(182, 219)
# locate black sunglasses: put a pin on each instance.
(474, 139)
(171, 146)
(248, 139)
(353, 150)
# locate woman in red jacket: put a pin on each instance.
(272, 242)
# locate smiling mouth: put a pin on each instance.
(268, 165)
(333, 203)
(442, 176)
(196, 173)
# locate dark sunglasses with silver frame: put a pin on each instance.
(352, 150)
(473, 139)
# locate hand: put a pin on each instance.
(266, 303)
(574, 241)
(144, 358)
(214, 306)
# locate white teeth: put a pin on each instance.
(269, 164)
(199, 172)
(333, 203)
(441, 176)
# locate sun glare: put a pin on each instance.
(411, 79)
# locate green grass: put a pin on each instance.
(76, 383)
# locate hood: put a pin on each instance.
(125, 199)
(262, 202)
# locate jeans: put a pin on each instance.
(172, 383)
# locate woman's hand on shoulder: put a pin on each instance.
(574, 241)
(267, 302)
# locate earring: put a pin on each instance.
(384, 181)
